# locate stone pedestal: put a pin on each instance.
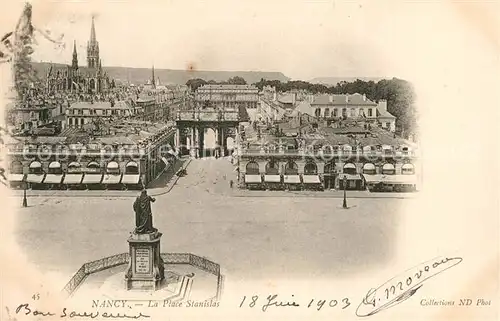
(145, 270)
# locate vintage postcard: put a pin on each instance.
(249, 160)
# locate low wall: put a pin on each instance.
(123, 258)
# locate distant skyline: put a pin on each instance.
(301, 39)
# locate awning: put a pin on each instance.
(253, 179)
(350, 176)
(112, 179)
(292, 179)
(15, 177)
(311, 179)
(35, 178)
(73, 179)
(350, 165)
(272, 178)
(407, 166)
(53, 179)
(130, 179)
(92, 179)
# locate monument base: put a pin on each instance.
(146, 268)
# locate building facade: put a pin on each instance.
(122, 160)
(81, 113)
(227, 96)
(282, 169)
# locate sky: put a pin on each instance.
(302, 39)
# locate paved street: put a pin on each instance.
(254, 237)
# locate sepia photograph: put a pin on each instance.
(193, 160)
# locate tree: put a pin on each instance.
(195, 83)
(237, 80)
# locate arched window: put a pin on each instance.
(408, 169)
(35, 168)
(252, 168)
(369, 169)
(327, 112)
(131, 168)
(112, 167)
(74, 167)
(16, 167)
(388, 169)
(310, 169)
(353, 112)
(272, 168)
(317, 112)
(350, 168)
(344, 112)
(55, 168)
(291, 168)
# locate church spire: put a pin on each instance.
(92, 48)
(153, 79)
(92, 32)
(74, 62)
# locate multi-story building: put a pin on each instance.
(129, 155)
(227, 96)
(326, 157)
(351, 107)
(82, 113)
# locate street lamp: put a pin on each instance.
(344, 204)
(25, 200)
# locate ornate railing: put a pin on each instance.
(123, 258)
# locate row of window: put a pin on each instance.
(310, 168)
(344, 112)
(98, 112)
(55, 167)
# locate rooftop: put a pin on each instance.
(99, 105)
(228, 87)
(354, 99)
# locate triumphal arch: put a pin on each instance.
(207, 131)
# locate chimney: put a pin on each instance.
(330, 99)
(274, 96)
(311, 98)
(382, 105)
(364, 97)
(346, 98)
(294, 98)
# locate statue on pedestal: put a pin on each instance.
(143, 214)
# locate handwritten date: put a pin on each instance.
(272, 300)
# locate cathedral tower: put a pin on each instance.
(92, 49)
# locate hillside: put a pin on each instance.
(332, 81)
(171, 76)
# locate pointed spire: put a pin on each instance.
(92, 32)
(153, 80)
(74, 62)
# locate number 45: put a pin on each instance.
(36, 296)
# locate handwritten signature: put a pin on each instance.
(403, 286)
(27, 310)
